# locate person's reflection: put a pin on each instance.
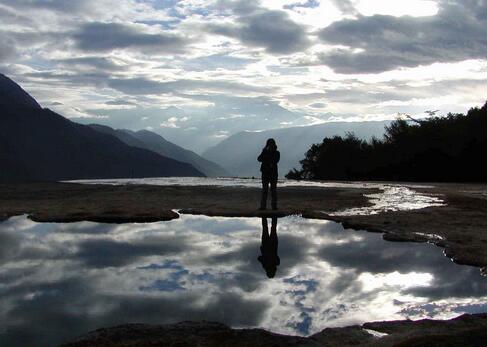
(268, 249)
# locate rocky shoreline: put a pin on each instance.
(460, 226)
(72, 202)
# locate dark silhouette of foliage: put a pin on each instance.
(450, 148)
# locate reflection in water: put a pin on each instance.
(58, 281)
(268, 248)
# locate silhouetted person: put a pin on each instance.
(268, 248)
(269, 158)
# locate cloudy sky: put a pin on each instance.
(198, 71)
(87, 275)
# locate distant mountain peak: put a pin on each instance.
(11, 94)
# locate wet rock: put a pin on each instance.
(71, 202)
(115, 217)
(185, 334)
(404, 238)
(465, 330)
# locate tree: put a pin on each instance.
(447, 148)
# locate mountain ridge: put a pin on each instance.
(156, 143)
(13, 94)
(38, 144)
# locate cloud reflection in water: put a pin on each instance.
(61, 280)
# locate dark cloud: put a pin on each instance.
(107, 252)
(237, 7)
(9, 244)
(100, 37)
(7, 48)
(64, 309)
(458, 32)
(13, 43)
(97, 78)
(9, 16)
(270, 29)
(100, 77)
(71, 6)
(343, 61)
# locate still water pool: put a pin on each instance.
(291, 275)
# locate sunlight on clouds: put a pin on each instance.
(408, 280)
(415, 8)
(468, 69)
(364, 116)
(440, 100)
(317, 17)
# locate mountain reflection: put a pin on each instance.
(62, 280)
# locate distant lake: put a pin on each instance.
(58, 281)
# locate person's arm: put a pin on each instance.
(260, 157)
(278, 156)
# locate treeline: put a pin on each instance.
(445, 149)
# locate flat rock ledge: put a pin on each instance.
(72, 202)
(460, 226)
(465, 330)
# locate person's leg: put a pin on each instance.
(273, 234)
(265, 188)
(274, 194)
(265, 231)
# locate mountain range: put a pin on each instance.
(154, 142)
(37, 144)
(238, 153)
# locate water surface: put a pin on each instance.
(58, 281)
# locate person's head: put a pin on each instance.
(271, 144)
(270, 269)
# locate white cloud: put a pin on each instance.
(416, 8)
(170, 123)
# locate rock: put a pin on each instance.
(465, 330)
